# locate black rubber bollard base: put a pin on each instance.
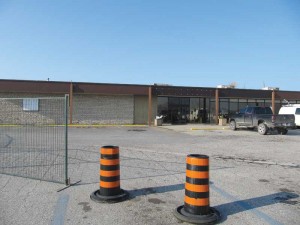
(185, 216)
(95, 196)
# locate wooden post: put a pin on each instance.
(217, 106)
(150, 106)
(71, 103)
(273, 102)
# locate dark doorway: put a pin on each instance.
(179, 109)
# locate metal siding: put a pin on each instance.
(118, 89)
(12, 86)
(244, 93)
(288, 95)
(54, 87)
(140, 109)
(182, 91)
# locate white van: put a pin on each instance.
(292, 109)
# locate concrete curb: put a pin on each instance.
(106, 125)
(211, 128)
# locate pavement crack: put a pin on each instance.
(30, 192)
(257, 161)
(8, 180)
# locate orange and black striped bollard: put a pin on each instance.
(110, 190)
(196, 207)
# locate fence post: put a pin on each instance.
(67, 179)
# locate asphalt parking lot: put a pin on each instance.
(254, 179)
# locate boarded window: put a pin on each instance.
(30, 104)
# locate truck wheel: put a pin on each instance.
(282, 131)
(232, 125)
(262, 129)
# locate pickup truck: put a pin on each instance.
(263, 119)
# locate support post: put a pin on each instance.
(150, 106)
(71, 103)
(217, 106)
(67, 180)
(273, 102)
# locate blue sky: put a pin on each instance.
(184, 43)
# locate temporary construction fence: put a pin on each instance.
(34, 138)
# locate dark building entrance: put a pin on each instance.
(180, 110)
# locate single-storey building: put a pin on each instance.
(103, 103)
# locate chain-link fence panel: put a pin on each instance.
(33, 138)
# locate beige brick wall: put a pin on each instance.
(87, 109)
(103, 109)
(50, 111)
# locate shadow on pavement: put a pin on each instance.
(152, 190)
(239, 206)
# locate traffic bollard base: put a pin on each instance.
(97, 197)
(185, 216)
